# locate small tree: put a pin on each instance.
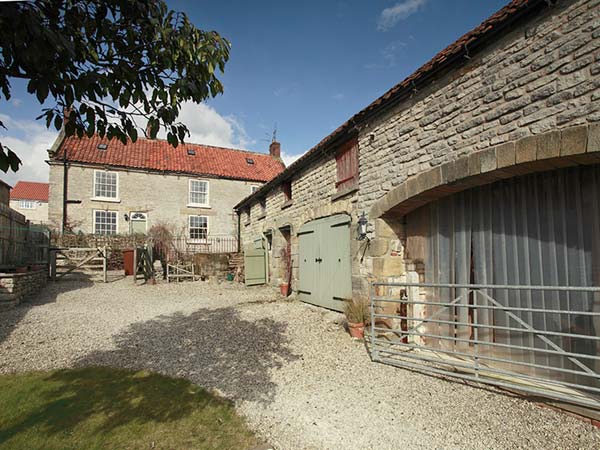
(161, 237)
(106, 64)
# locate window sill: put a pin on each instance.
(345, 192)
(287, 204)
(196, 205)
(105, 199)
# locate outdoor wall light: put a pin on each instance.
(363, 223)
(126, 217)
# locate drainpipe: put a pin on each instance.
(65, 190)
(239, 231)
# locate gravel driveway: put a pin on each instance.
(299, 379)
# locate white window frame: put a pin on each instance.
(190, 228)
(198, 205)
(27, 204)
(105, 199)
(94, 211)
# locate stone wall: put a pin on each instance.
(211, 265)
(17, 287)
(539, 79)
(164, 197)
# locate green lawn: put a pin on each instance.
(105, 408)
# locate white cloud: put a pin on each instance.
(16, 102)
(289, 159)
(208, 127)
(30, 141)
(400, 11)
(287, 90)
(338, 97)
(389, 54)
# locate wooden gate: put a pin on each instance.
(324, 262)
(85, 262)
(255, 262)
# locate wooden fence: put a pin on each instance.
(20, 243)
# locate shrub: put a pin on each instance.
(357, 311)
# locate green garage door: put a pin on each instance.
(324, 262)
(255, 262)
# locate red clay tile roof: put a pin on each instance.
(29, 190)
(453, 55)
(159, 155)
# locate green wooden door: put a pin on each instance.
(308, 252)
(255, 262)
(324, 262)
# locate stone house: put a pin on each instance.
(480, 168)
(31, 199)
(105, 187)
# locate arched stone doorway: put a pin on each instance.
(504, 271)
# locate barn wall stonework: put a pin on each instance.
(538, 80)
(313, 197)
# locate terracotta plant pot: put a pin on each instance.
(356, 330)
(285, 289)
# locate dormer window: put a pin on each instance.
(191, 152)
(250, 161)
(102, 146)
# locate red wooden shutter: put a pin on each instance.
(347, 165)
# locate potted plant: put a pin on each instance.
(286, 268)
(357, 313)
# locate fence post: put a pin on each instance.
(52, 254)
(104, 264)
(134, 265)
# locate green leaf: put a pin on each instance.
(42, 92)
(58, 122)
(83, 52)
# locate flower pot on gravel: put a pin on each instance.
(357, 313)
(285, 289)
(356, 330)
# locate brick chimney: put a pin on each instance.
(275, 149)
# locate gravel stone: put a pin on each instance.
(290, 368)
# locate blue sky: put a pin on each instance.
(305, 66)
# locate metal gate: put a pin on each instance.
(324, 262)
(255, 262)
(422, 326)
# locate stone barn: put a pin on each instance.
(480, 169)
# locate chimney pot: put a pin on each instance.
(275, 149)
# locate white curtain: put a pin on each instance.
(539, 229)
